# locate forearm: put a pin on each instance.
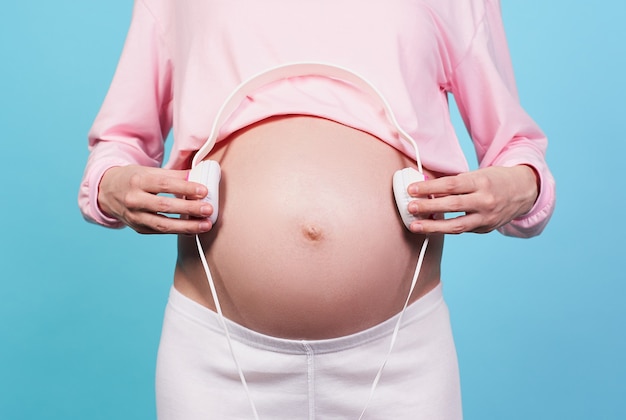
(532, 222)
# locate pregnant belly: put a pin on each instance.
(308, 243)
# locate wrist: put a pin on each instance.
(101, 197)
(532, 185)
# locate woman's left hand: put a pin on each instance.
(489, 198)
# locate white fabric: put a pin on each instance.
(307, 379)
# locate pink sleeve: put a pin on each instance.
(135, 117)
(504, 135)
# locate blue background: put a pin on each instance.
(539, 323)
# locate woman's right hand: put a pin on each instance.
(132, 195)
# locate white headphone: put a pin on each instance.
(208, 172)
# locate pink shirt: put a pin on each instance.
(182, 59)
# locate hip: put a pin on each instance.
(196, 375)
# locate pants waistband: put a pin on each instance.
(192, 310)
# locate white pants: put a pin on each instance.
(307, 379)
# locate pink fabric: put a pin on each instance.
(182, 59)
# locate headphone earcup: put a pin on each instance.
(401, 181)
(208, 173)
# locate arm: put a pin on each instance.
(122, 181)
(513, 191)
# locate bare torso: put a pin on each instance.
(308, 244)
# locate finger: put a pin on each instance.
(454, 226)
(200, 189)
(172, 205)
(158, 180)
(159, 224)
(179, 174)
(465, 203)
(447, 185)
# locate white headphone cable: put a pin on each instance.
(220, 315)
(394, 336)
(225, 110)
(396, 330)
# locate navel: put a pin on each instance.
(312, 232)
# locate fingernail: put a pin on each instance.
(413, 190)
(204, 226)
(413, 208)
(207, 210)
(416, 227)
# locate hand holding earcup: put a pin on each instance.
(401, 181)
(208, 173)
